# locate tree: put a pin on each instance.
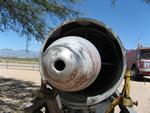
(114, 2)
(32, 17)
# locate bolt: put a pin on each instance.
(135, 103)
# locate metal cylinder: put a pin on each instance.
(84, 77)
(71, 63)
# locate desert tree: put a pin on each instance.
(34, 18)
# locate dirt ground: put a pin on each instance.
(16, 87)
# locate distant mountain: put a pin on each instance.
(18, 53)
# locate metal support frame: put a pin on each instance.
(49, 99)
(45, 99)
(124, 100)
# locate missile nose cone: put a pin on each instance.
(71, 63)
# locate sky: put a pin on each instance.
(129, 19)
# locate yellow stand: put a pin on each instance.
(123, 99)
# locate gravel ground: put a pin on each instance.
(16, 87)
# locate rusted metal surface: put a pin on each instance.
(71, 63)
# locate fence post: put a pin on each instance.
(7, 64)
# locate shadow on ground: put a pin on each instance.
(14, 94)
(142, 79)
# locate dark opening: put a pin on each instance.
(59, 65)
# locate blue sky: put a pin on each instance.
(129, 19)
